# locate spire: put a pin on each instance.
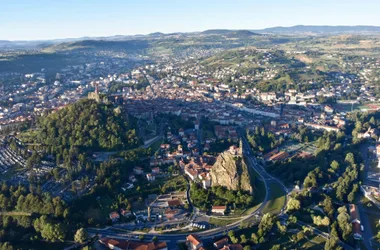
(97, 89)
(240, 147)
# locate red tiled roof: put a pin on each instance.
(194, 239)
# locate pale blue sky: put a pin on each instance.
(48, 19)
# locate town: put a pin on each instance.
(244, 147)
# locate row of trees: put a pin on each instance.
(262, 140)
(219, 195)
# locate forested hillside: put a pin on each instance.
(83, 126)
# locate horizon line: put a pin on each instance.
(178, 32)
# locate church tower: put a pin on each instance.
(240, 147)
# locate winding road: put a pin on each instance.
(172, 239)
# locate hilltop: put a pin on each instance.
(230, 33)
(231, 171)
(323, 29)
(85, 125)
(130, 45)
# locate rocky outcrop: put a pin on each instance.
(231, 172)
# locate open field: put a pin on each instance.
(223, 221)
(348, 107)
(105, 204)
(156, 145)
(276, 200)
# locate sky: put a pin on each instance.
(53, 19)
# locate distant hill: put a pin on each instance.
(156, 34)
(128, 45)
(320, 29)
(215, 32)
(230, 33)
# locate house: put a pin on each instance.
(234, 150)
(150, 177)
(193, 242)
(221, 243)
(118, 244)
(175, 203)
(232, 247)
(125, 212)
(170, 213)
(322, 127)
(355, 220)
(114, 216)
(270, 154)
(280, 156)
(132, 178)
(138, 170)
(328, 109)
(206, 182)
(218, 209)
(192, 173)
(196, 125)
(156, 170)
(181, 132)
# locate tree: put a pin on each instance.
(328, 206)
(300, 236)
(247, 248)
(141, 237)
(254, 238)
(378, 236)
(81, 235)
(293, 204)
(276, 247)
(231, 233)
(243, 239)
(292, 219)
(334, 165)
(281, 228)
(350, 159)
(344, 223)
(319, 221)
(266, 223)
(53, 232)
(155, 239)
(351, 197)
(332, 244)
(50, 230)
(6, 246)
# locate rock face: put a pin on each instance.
(231, 172)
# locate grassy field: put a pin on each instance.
(105, 204)
(155, 146)
(177, 183)
(258, 192)
(312, 242)
(223, 221)
(276, 200)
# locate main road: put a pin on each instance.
(172, 239)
